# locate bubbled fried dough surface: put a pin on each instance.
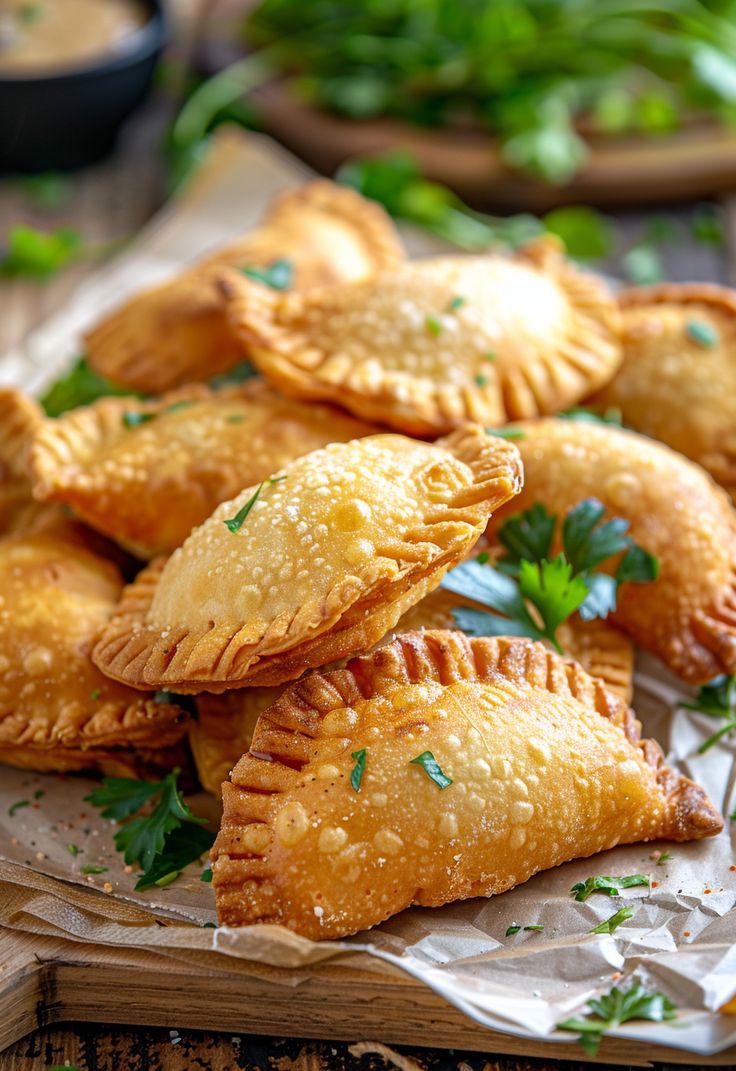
(324, 564)
(148, 485)
(57, 711)
(546, 766)
(178, 332)
(674, 387)
(687, 617)
(438, 341)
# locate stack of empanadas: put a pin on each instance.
(290, 536)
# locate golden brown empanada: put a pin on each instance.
(687, 617)
(438, 341)
(310, 567)
(178, 331)
(223, 731)
(599, 648)
(677, 381)
(57, 711)
(20, 418)
(147, 485)
(436, 769)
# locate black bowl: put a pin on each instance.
(65, 120)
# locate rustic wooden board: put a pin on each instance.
(50, 980)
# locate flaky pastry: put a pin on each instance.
(223, 731)
(20, 418)
(178, 331)
(687, 617)
(677, 381)
(146, 473)
(436, 769)
(438, 341)
(57, 711)
(311, 566)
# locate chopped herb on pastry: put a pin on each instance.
(687, 616)
(313, 564)
(146, 473)
(677, 381)
(57, 711)
(436, 342)
(178, 332)
(436, 769)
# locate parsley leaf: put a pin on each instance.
(615, 1008)
(507, 433)
(17, 806)
(279, 275)
(587, 543)
(234, 524)
(702, 332)
(357, 775)
(163, 842)
(554, 591)
(512, 930)
(31, 252)
(239, 373)
(589, 416)
(80, 386)
(718, 700)
(432, 769)
(664, 857)
(608, 886)
(133, 419)
(90, 868)
(526, 535)
(612, 923)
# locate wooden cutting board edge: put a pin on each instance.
(49, 980)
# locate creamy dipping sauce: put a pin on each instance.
(46, 36)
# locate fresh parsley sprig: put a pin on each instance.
(162, 842)
(617, 1007)
(718, 700)
(610, 924)
(79, 386)
(279, 274)
(608, 886)
(234, 524)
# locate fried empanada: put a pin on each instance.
(57, 711)
(439, 341)
(311, 566)
(20, 418)
(178, 331)
(223, 731)
(677, 381)
(599, 648)
(146, 473)
(436, 769)
(687, 617)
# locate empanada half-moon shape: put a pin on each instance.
(321, 564)
(677, 381)
(436, 342)
(687, 617)
(57, 710)
(20, 418)
(224, 728)
(178, 332)
(148, 485)
(544, 765)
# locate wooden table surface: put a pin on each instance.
(107, 203)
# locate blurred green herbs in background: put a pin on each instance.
(541, 75)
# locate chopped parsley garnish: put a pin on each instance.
(357, 774)
(73, 850)
(234, 524)
(37, 254)
(589, 416)
(206, 874)
(17, 806)
(612, 923)
(80, 386)
(162, 842)
(239, 373)
(95, 695)
(39, 793)
(132, 419)
(30, 13)
(176, 407)
(615, 1008)
(457, 302)
(90, 868)
(664, 857)
(607, 886)
(718, 700)
(490, 356)
(548, 586)
(703, 333)
(512, 930)
(481, 380)
(235, 418)
(506, 433)
(279, 275)
(432, 769)
(433, 325)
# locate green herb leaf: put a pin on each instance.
(507, 433)
(586, 233)
(73, 850)
(433, 325)
(490, 356)
(456, 302)
(119, 797)
(32, 253)
(133, 419)
(279, 275)
(513, 930)
(643, 265)
(90, 868)
(587, 543)
(177, 407)
(610, 416)
(718, 700)
(39, 794)
(80, 386)
(702, 332)
(17, 806)
(234, 524)
(357, 774)
(30, 13)
(239, 373)
(664, 857)
(481, 380)
(235, 418)
(616, 1008)
(535, 928)
(637, 565)
(182, 846)
(95, 695)
(612, 923)
(607, 886)
(706, 224)
(554, 591)
(601, 598)
(527, 535)
(206, 874)
(432, 769)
